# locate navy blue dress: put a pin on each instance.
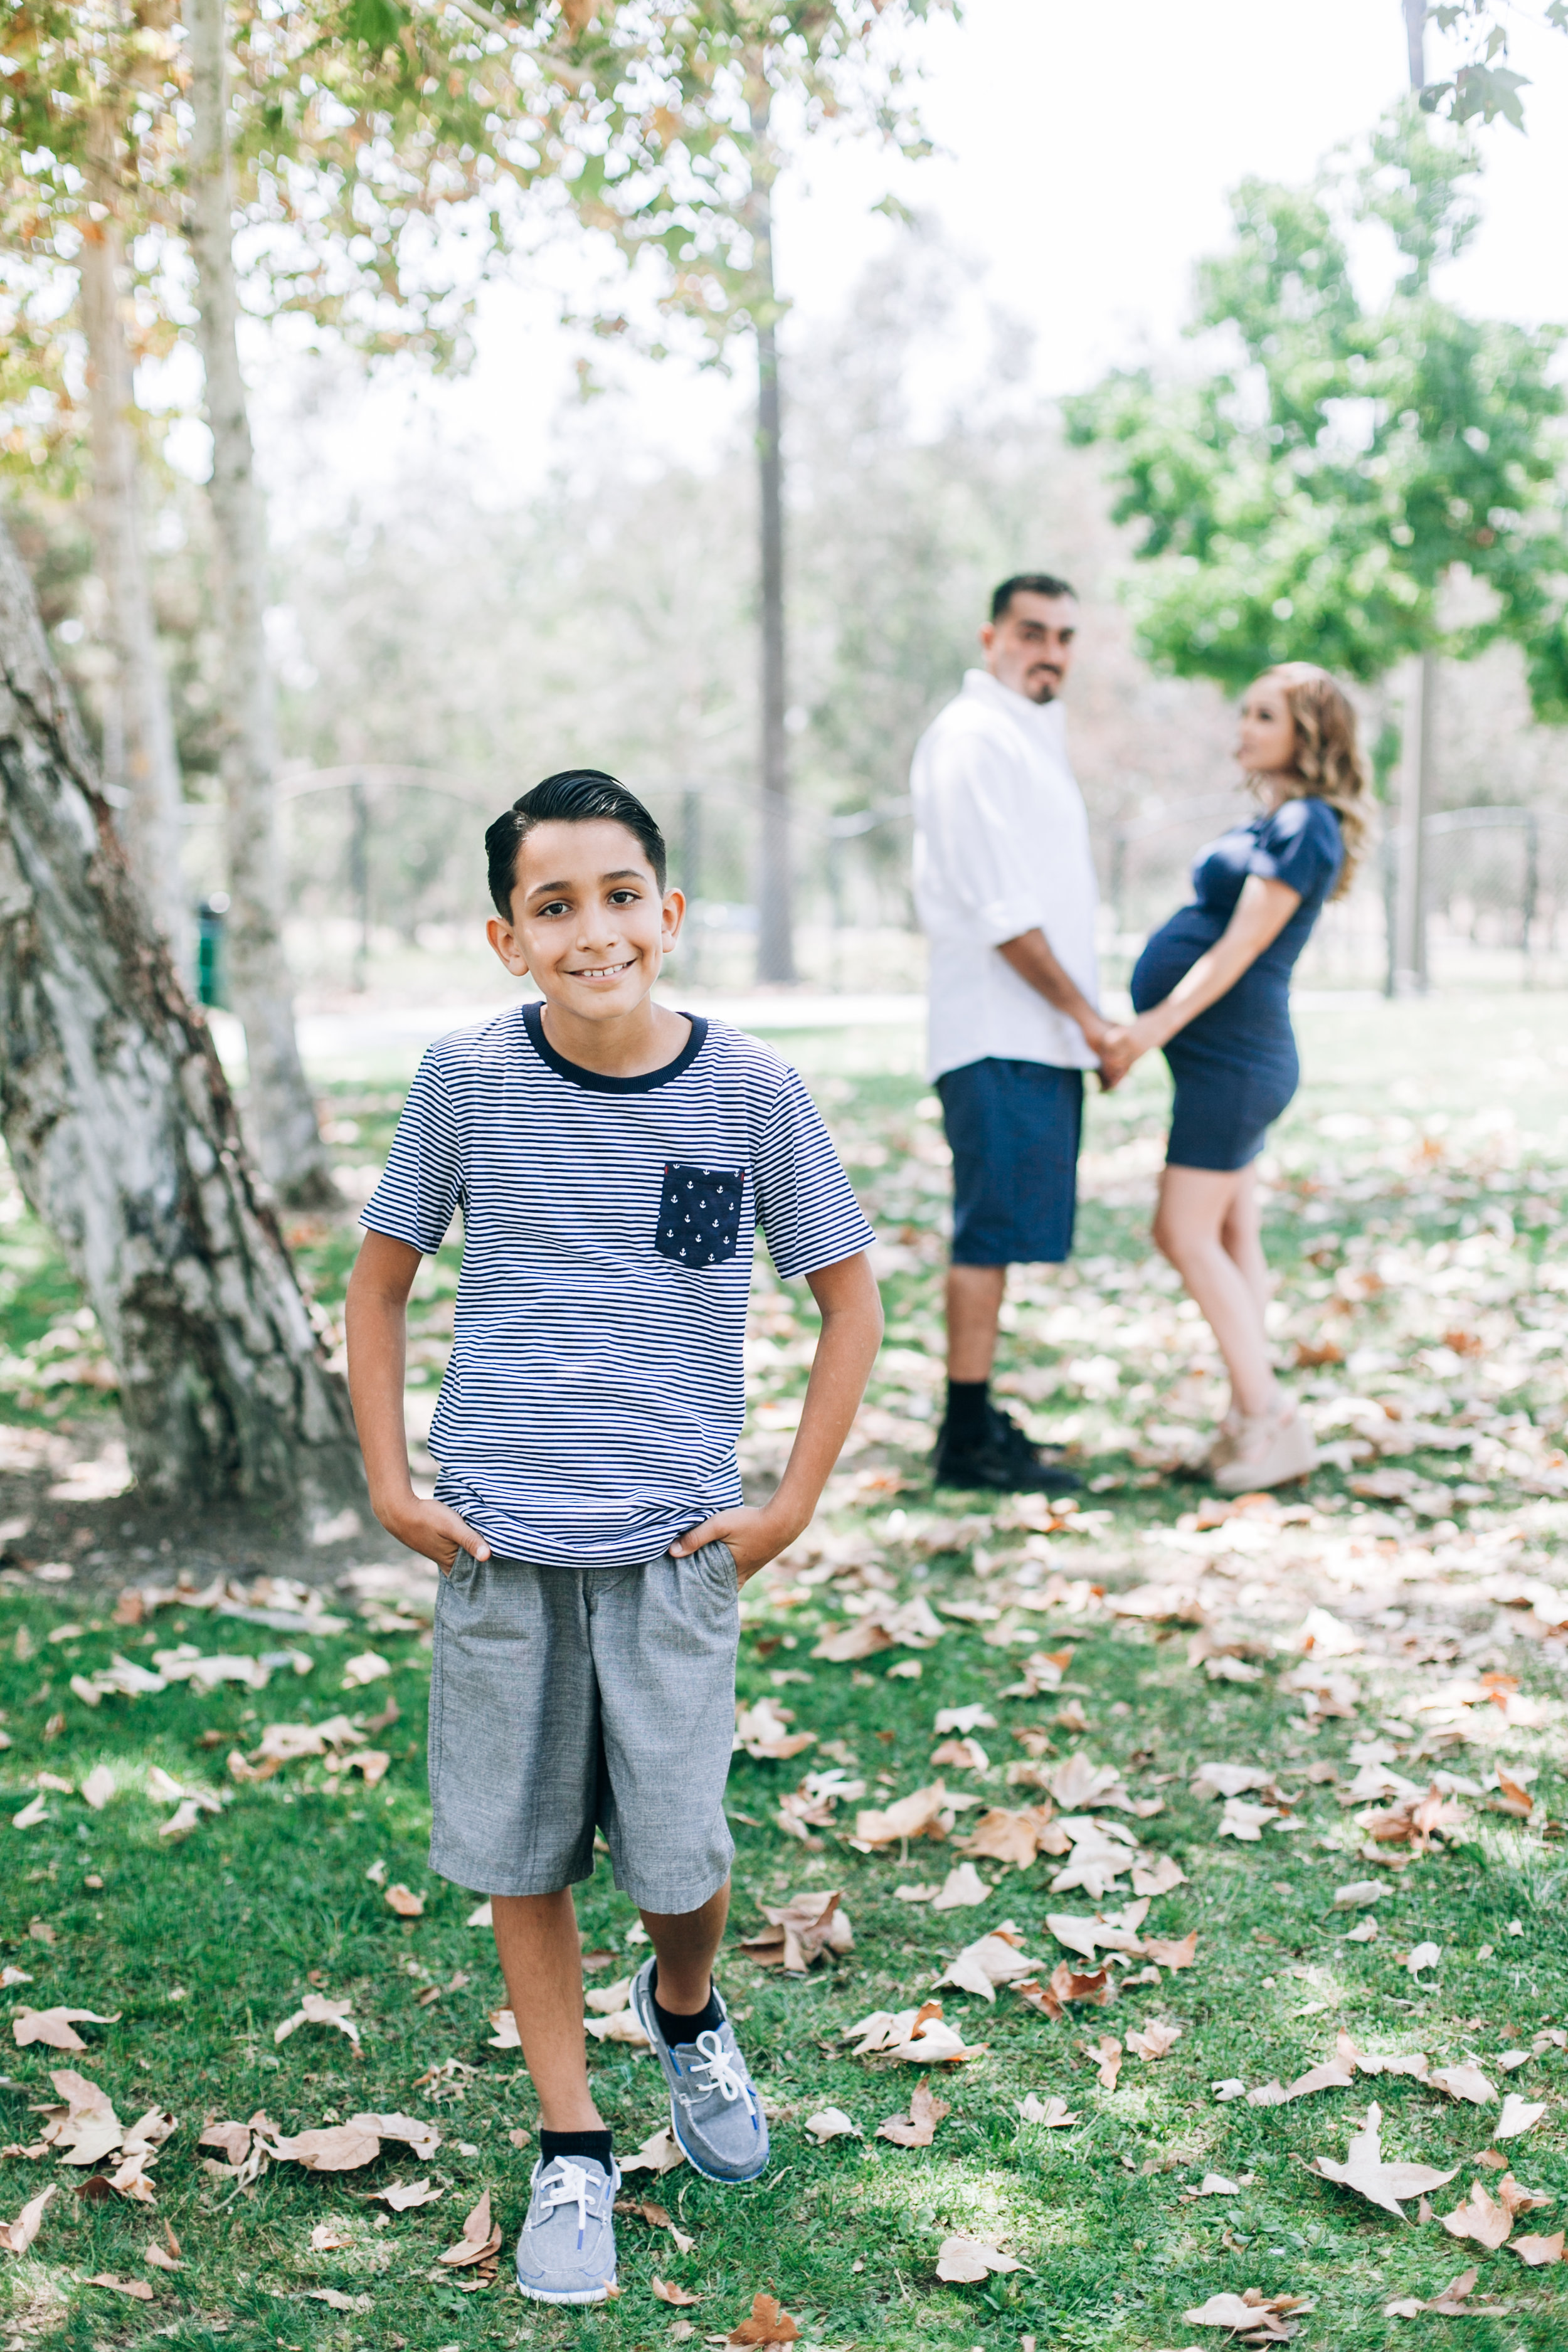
(1234, 1065)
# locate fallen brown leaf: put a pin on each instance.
(800, 1931)
(769, 2323)
(1156, 2041)
(1536, 2252)
(967, 2260)
(138, 2287)
(405, 1902)
(1365, 2171)
(17, 2236)
(918, 2128)
(479, 2241)
(1108, 2053)
(53, 2026)
(668, 2292)
(402, 2195)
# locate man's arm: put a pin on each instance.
(377, 1322)
(851, 1309)
(1030, 956)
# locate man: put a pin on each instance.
(1004, 886)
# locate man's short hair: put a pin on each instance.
(1028, 584)
(576, 796)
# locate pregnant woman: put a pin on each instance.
(1212, 988)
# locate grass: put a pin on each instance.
(1416, 1241)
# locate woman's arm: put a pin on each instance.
(377, 1318)
(1261, 913)
(851, 1309)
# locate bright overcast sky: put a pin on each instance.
(1087, 152)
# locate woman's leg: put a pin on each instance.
(1197, 1206)
(1242, 1234)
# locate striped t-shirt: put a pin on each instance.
(595, 1389)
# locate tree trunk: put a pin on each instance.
(1416, 41)
(775, 892)
(1412, 976)
(279, 1115)
(144, 732)
(122, 1134)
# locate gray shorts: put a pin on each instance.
(566, 1700)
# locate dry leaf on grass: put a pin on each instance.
(1052, 2113)
(137, 2287)
(1466, 2082)
(924, 1813)
(666, 2290)
(403, 2194)
(800, 1931)
(918, 2035)
(989, 1961)
(1096, 1989)
(315, 2008)
(960, 1890)
(768, 2322)
(1157, 1878)
(97, 1787)
(660, 2153)
(1255, 2317)
(17, 2236)
(405, 1902)
(964, 1718)
(482, 1916)
(966, 2261)
(1449, 2303)
(53, 2026)
(1107, 2054)
(1536, 2252)
(762, 1730)
(344, 2148)
(624, 2025)
(479, 2241)
(1214, 2184)
(831, 2123)
(1014, 1838)
(506, 2035)
(1156, 2041)
(1089, 1935)
(963, 1755)
(918, 2128)
(1481, 2217)
(1229, 1779)
(1518, 2116)
(328, 2238)
(1424, 1956)
(1365, 2171)
(335, 2299)
(1247, 1823)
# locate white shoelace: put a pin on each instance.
(571, 2189)
(721, 2069)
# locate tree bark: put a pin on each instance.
(149, 819)
(279, 1114)
(1416, 41)
(122, 1134)
(775, 887)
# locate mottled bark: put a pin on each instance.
(775, 880)
(149, 819)
(279, 1115)
(122, 1134)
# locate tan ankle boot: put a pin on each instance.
(1270, 1450)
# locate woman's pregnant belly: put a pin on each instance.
(1253, 1016)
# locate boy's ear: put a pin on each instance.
(674, 916)
(508, 947)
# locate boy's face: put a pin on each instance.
(587, 918)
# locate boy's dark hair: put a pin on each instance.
(576, 796)
(1028, 584)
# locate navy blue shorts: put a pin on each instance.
(1014, 1129)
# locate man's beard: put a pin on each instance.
(1044, 688)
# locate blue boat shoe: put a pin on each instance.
(714, 2110)
(567, 2250)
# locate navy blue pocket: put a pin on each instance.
(699, 1213)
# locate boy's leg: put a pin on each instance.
(541, 1960)
(685, 1945)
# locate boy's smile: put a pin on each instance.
(592, 926)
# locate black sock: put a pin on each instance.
(595, 2144)
(968, 1413)
(676, 2028)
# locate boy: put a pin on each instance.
(612, 1159)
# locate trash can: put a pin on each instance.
(211, 973)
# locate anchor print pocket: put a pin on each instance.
(699, 1213)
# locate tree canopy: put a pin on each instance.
(1332, 485)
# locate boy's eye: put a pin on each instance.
(625, 897)
(555, 906)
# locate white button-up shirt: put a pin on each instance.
(1001, 847)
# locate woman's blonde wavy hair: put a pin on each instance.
(1328, 765)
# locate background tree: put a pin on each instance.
(691, 175)
(122, 1135)
(1483, 84)
(1367, 485)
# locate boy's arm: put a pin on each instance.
(851, 1309)
(377, 1320)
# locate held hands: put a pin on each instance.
(434, 1530)
(754, 1536)
(1118, 1049)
